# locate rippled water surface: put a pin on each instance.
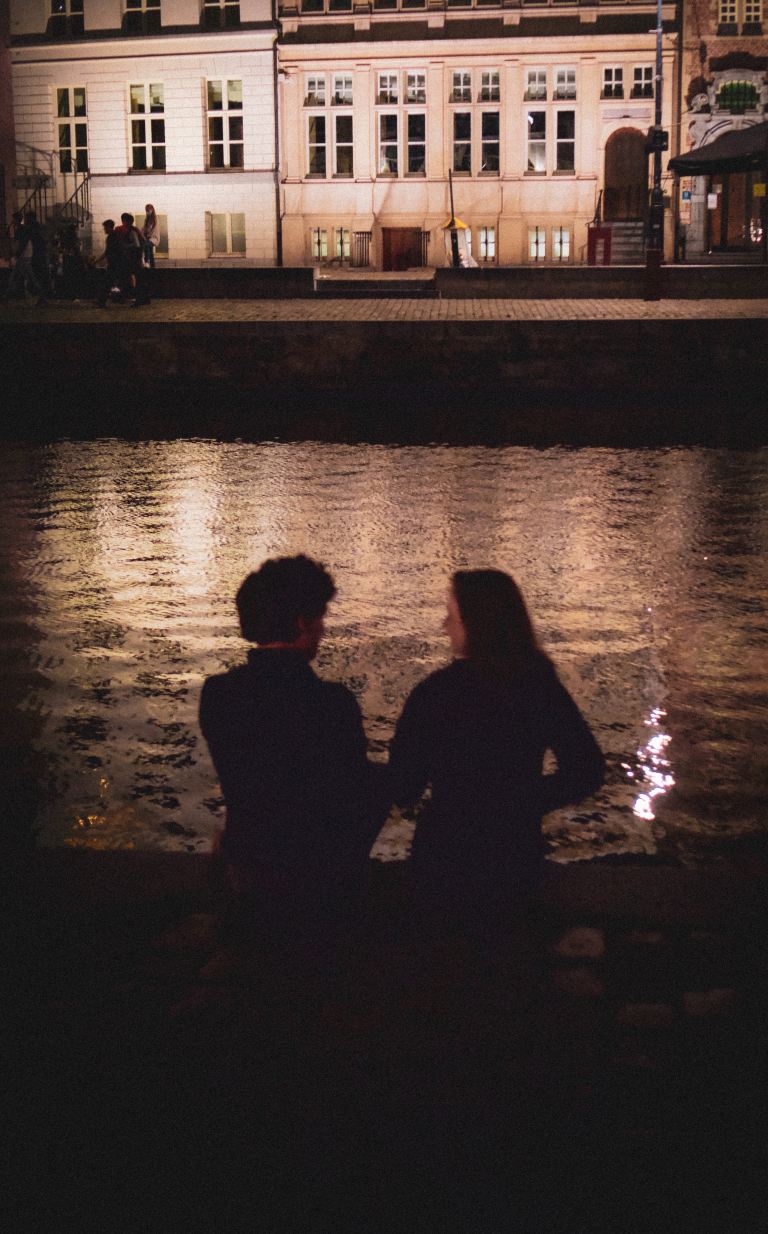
(645, 570)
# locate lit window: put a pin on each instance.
(342, 91)
(316, 145)
(315, 95)
(536, 84)
(613, 83)
(565, 83)
(227, 235)
(537, 141)
(344, 153)
(72, 128)
(462, 87)
(489, 145)
(642, 81)
(225, 124)
(147, 128)
(388, 164)
(487, 246)
(387, 88)
(565, 157)
(319, 241)
(221, 14)
(141, 17)
(561, 243)
(462, 141)
(341, 243)
(489, 86)
(537, 243)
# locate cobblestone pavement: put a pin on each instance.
(385, 309)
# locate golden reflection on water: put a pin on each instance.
(645, 571)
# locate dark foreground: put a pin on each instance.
(600, 1068)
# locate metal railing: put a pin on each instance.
(361, 249)
(77, 207)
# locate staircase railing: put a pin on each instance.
(597, 219)
(77, 207)
(39, 200)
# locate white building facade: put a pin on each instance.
(168, 102)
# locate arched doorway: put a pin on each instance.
(625, 194)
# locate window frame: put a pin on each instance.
(613, 89)
(66, 19)
(490, 90)
(461, 113)
(561, 142)
(538, 141)
(537, 239)
(557, 244)
(461, 92)
(148, 116)
(538, 93)
(72, 120)
(141, 17)
(227, 14)
(643, 83)
(567, 91)
(486, 240)
(228, 114)
(230, 250)
(486, 142)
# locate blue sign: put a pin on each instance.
(686, 194)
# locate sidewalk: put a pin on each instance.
(387, 310)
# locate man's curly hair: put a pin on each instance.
(272, 599)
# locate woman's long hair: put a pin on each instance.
(500, 634)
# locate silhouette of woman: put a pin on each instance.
(476, 732)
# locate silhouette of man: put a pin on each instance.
(290, 753)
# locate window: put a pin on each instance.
(319, 241)
(221, 14)
(416, 88)
(561, 243)
(642, 81)
(536, 84)
(388, 145)
(537, 243)
(489, 145)
(417, 143)
(66, 19)
(487, 245)
(141, 17)
(315, 95)
(489, 86)
(462, 141)
(537, 141)
(342, 91)
(343, 150)
(161, 249)
(748, 12)
(341, 243)
(316, 145)
(565, 84)
(565, 153)
(387, 88)
(613, 83)
(72, 128)
(225, 124)
(737, 97)
(753, 13)
(227, 235)
(147, 128)
(462, 87)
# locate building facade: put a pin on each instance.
(538, 112)
(725, 88)
(168, 102)
(326, 131)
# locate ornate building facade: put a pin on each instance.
(725, 89)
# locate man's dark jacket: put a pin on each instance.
(290, 753)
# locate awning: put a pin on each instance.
(455, 223)
(737, 150)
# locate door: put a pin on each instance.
(401, 248)
(735, 224)
(625, 193)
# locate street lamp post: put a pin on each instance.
(655, 246)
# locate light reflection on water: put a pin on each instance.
(645, 571)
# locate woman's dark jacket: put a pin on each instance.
(479, 740)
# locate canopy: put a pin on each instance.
(455, 223)
(736, 150)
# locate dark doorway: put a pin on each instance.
(625, 195)
(401, 248)
(735, 224)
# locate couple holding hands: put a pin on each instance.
(304, 804)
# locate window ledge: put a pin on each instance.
(146, 171)
(238, 171)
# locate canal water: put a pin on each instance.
(645, 571)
